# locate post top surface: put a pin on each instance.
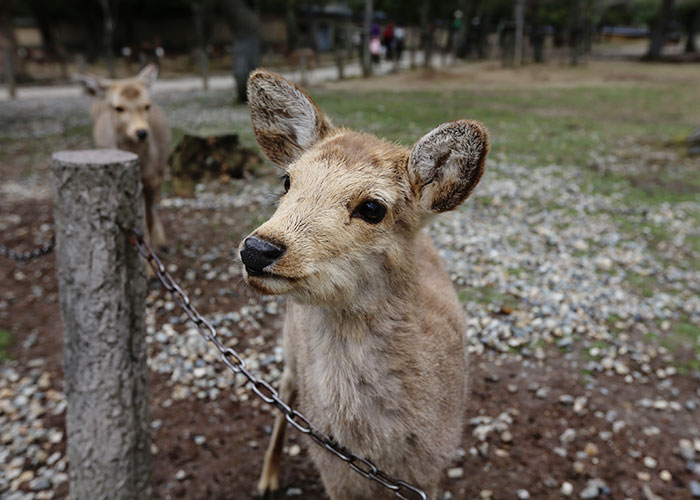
(94, 156)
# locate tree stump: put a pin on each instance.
(102, 292)
(201, 158)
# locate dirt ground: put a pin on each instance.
(531, 396)
(226, 467)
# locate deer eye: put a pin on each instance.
(147, 107)
(119, 109)
(287, 183)
(372, 211)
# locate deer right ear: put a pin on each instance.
(285, 119)
(447, 163)
(93, 85)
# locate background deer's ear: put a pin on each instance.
(285, 119)
(446, 164)
(93, 85)
(148, 74)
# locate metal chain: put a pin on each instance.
(44, 249)
(264, 390)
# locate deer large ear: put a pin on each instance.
(446, 164)
(93, 85)
(285, 119)
(148, 74)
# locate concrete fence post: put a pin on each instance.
(102, 292)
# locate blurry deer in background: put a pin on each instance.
(125, 117)
(374, 333)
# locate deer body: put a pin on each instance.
(374, 332)
(125, 117)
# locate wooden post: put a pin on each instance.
(10, 73)
(102, 292)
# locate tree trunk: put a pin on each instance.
(198, 18)
(8, 47)
(658, 34)
(484, 15)
(366, 29)
(536, 36)
(427, 34)
(519, 15)
(691, 26)
(576, 39)
(108, 21)
(102, 291)
(292, 27)
(245, 27)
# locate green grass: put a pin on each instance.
(5, 343)
(538, 126)
(488, 295)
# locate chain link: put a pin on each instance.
(264, 390)
(44, 249)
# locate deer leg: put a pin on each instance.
(269, 479)
(156, 233)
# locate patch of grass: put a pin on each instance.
(488, 295)
(643, 285)
(537, 126)
(5, 342)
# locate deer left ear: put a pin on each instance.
(148, 74)
(447, 163)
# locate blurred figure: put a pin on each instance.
(400, 41)
(375, 49)
(388, 40)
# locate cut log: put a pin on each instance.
(199, 159)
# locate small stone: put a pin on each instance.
(455, 473)
(589, 491)
(486, 494)
(512, 388)
(647, 494)
(294, 492)
(40, 484)
(660, 404)
(199, 440)
(591, 449)
(621, 368)
(686, 450)
(506, 437)
(180, 475)
(568, 436)
(579, 467)
(567, 489)
(643, 476)
(665, 475)
(523, 494)
(199, 372)
(566, 399)
(650, 462)
(294, 450)
(695, 489)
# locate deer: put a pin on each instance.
(125, 117)
(374, 334)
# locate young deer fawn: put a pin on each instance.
(374, 333)
(125, 117)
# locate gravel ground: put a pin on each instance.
(583, 333)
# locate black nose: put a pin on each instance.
(142, 133)
(257, 254)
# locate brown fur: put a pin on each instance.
(120, 109)
(374, 333)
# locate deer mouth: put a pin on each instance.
(254, 273)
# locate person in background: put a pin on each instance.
(388, 40)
